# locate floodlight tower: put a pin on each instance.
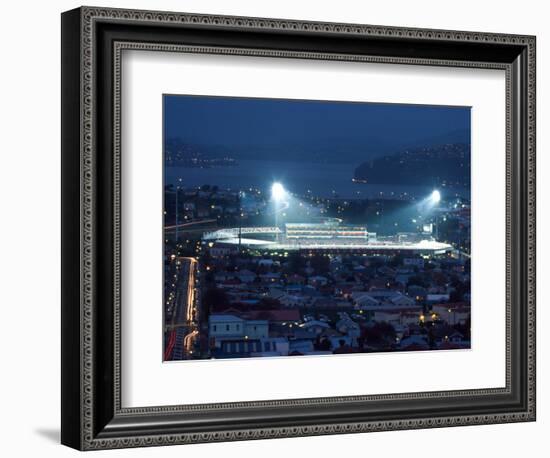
(278, 194)
(240, 218)
(436, 198)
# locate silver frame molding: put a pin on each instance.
(93, 42)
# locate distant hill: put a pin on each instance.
(335, 150)
(361, 149)
(454, 136)
(444, 164)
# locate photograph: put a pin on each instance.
(281, 222)
(314, 227)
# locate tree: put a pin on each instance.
(296, 262)
(396, 261)
(322, 344)
(213, 299)
(439, 278)
(460, 288)
(416, 280)
(269, 303)
(320, 263)
(379, 333)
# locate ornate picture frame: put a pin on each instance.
(92, 413)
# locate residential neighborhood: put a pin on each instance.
(296, 304)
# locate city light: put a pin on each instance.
(278, 191)
(436, 196)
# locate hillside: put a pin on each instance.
(447, 164)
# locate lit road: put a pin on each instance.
(183, 323)
(189, 340)
(189, 315)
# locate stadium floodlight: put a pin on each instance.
(278, 191)
(436, 196)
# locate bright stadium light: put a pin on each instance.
(278, 191)
(436, 196)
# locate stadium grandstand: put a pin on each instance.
(327, 235)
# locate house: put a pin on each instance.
(363, 299)
(401, 299)
(414, 342)
(434, 298)
(315, 326)
(415, 262)
(403, 278)
(394, 318)
(453, 313)
(271, 277)
(273, 346)
(444, 334)
(246, 276)
(410, 318)
(236, 348)
(256, 329)
(349, 328)
(454, 340)
(296, 279)
(218, 251)
(417, 292)
(455, 337)
(293, 289)
(323, 302)
(382, 295)
(223, 328)
(300, 346)
(345, 289)
(293, 300)
(310, 291)
(386, 271)
(404, 316)
(317, 280)
(378, 283)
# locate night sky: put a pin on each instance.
(310, 125)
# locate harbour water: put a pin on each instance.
(319, 179)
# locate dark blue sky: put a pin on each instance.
(307, 126)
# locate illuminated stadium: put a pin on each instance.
(328, 235)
